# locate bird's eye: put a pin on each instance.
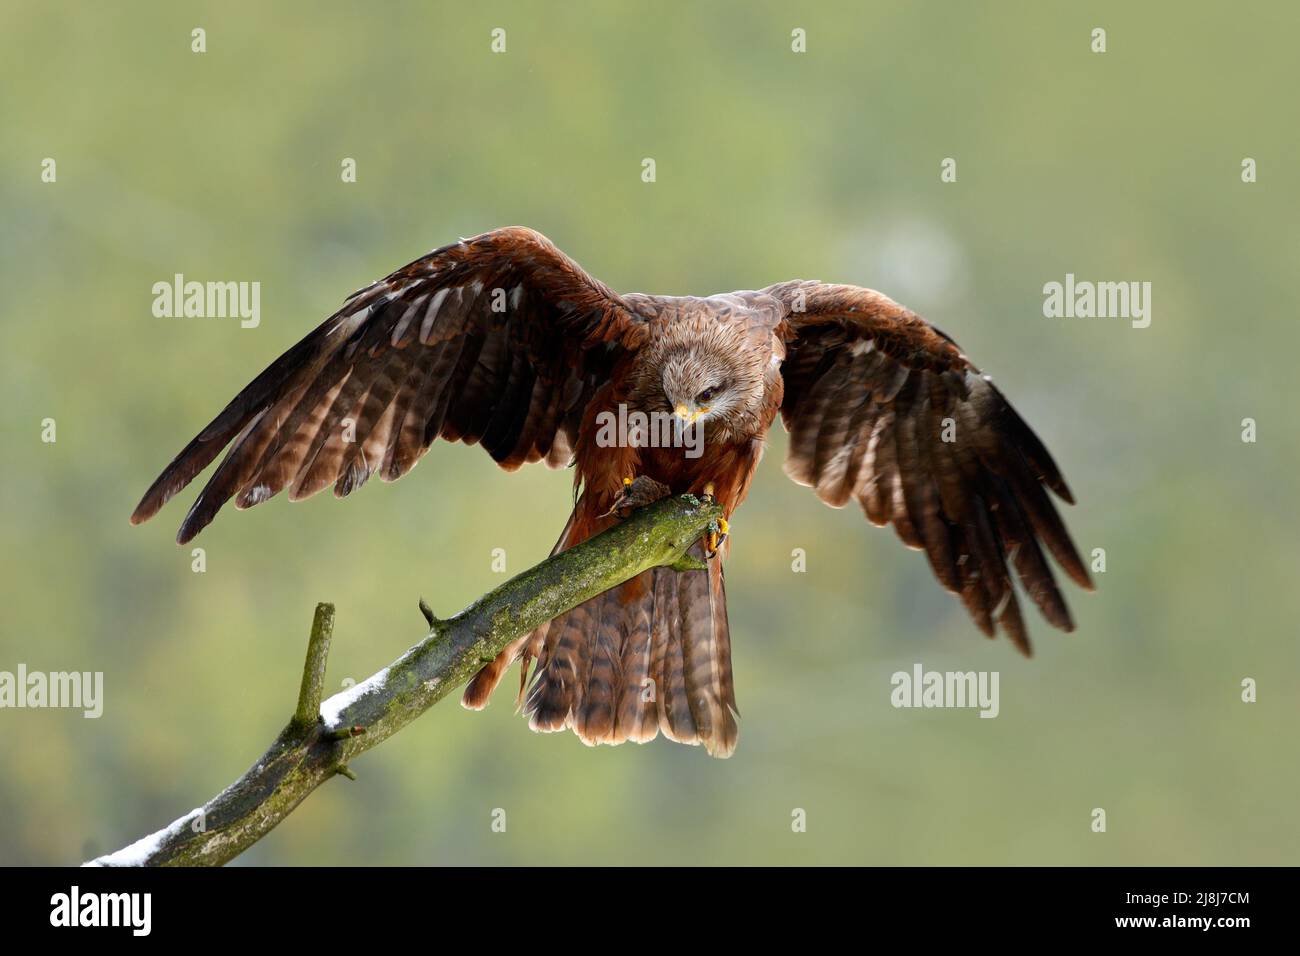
(704, 396)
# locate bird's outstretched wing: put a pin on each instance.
(884, 408)
(500, 340)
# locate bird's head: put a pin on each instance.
(708, 374)
(700, 386)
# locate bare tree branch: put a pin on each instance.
(322, 737)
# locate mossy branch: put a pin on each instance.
(313, 671)
(323, 736)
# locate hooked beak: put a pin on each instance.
(688, 415)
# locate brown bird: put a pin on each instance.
(504, 341)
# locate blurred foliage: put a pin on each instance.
(771, 165)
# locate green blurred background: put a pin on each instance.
(770, 165)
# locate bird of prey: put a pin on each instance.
(504, 341)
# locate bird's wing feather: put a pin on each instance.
(498, 340)
(884, 409)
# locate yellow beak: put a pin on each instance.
(688, 415)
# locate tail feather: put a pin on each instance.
(595, 721)
(482, 684)
(649, 656)
(703, 664)
(638, 716)
(557, 688)
(675, 717)
(663, 595)
(722, 631)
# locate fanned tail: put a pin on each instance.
(651, 655)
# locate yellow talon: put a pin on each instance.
(626, 482)
(723, 526)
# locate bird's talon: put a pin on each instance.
(637, 493)
(715, 538)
